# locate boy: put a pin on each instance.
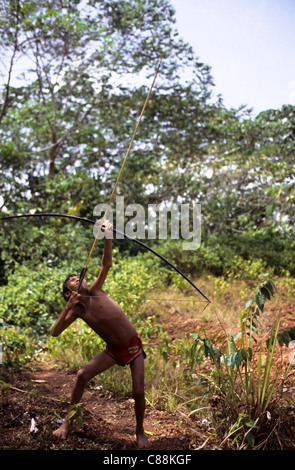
(109, 321)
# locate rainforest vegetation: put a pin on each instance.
(74, 77)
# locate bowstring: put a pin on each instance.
(56, 278)
(144, 298)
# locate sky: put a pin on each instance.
(249, 44)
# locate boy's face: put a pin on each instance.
(73, 284)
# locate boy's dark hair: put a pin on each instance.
(65, 288)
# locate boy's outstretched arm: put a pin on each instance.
(107, 258)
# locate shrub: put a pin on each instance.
(31, 298)
(17, 347)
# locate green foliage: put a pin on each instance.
(238, 358)
(285, 337)
(241, 431)
(32, 297)
(254, 307)
(76, 414)
(246, 386)
(64, 128)
(17, 347)
(233, 257)
(131, 280)
(77, 344)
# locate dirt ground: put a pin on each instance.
(40, 395)
(108, 423)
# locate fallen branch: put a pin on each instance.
(41, 396)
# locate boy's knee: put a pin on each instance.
(138, 392)
(82, 376)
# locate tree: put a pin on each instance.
(248, 177)
(64, 130)
(76, 49)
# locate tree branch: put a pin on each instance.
(68, 133)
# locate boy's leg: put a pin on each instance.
(98, 364)
(95, 366)
(137, 371)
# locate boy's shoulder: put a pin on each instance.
(95, 291)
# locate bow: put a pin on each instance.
(83, 219)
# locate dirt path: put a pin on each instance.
(108, 423)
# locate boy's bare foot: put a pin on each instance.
(142, 441)
(63, 431)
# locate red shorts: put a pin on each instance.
(127, 353)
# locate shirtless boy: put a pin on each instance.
(107, 319)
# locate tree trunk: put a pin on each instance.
(53, 154)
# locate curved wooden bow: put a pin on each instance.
(83, 219)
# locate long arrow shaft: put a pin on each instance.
(120, 172)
